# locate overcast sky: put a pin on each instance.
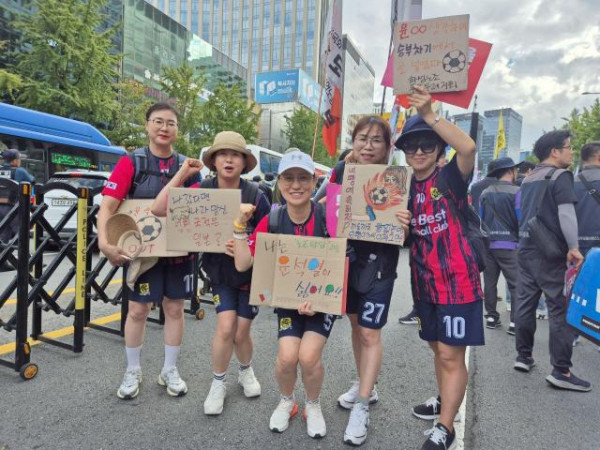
(545, 52)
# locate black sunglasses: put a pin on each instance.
(426, 146)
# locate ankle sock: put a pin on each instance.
(133, 357)
(219, 376)
(171, 356)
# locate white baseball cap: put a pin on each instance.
(296, 159)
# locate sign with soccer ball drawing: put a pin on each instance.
(433, 53)
(153, 229)
(371, 196)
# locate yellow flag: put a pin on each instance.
(500, 138)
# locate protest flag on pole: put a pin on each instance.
(334, 69)
(500, 138)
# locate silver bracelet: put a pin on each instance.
(435, 121)
(240, 236)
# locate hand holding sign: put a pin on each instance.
(420, 99)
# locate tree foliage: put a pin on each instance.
(10, 83)
(300, 130)
(68, 68)
(184, 85)
(227, 109)
(585, 127)
(127, 125)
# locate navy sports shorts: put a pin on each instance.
(372, 308)
(455, 324)
(170, 278)
(292, 323)
(227, 298)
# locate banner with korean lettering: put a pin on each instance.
(201, 220)
(334, 72)
(432, 53)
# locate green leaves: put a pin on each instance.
(585, 127)
(300, 129)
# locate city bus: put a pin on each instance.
(50, 144)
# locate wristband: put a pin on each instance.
(238, 226)
(240, 236)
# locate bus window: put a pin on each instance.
(265, 163)
(274, 164)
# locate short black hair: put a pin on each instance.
(525, 166)
(161, 106)
(553, 139)
(501, 172)
(590, 150)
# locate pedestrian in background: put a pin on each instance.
(587, 191)
(12, 170)
(497, 211)
(548, 242)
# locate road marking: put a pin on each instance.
(10, 348)
(459, 427)
(69, 290)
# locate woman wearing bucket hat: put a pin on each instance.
(368, 301)
(302, 333)
(229, 158)
(141, 175)
(444, 272)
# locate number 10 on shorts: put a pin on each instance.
(455, 327)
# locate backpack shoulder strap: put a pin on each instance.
(250, 191)
(207, 183)
(275, 218)
(339, 172)
(139, 158)
(590, 188)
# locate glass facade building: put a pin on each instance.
(513, 125)
(358, 89)
(260, 35)
(152, 40)
(463, 121)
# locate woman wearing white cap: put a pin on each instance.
(302, 333)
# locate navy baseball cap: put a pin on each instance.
(11, 154)
(499, 164)
(414, 124)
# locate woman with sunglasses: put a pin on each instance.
(444, 273)
(302, 333)
(368, 297)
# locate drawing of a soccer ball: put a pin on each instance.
(379, 195)
(150, 227)
(454, 61)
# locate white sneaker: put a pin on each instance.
(356, 430)
(315, 422)
(170, 378)
(213, 405)
(130, 386)
(280, 419)
(248, 381)
(348, 399)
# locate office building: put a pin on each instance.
(513, 125)
(464, 122)
(260, 35)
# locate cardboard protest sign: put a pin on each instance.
(371, 196)
(201, 220)
(152, 229)
(296, 269)
(479, 51)
(432, 53)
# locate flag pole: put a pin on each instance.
(395, 6)
(314, 145)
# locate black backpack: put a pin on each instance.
(220, 268)
(277, 225)
(476, 231)
(139, 159)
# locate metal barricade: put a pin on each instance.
(20, 262)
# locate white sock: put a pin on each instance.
(133, 357)
(171, 355)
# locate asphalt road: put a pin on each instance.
(72, 402)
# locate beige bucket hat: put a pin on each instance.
(122, 231)
(229, 140)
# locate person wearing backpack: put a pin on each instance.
(142, 175)
(229, 158)
(11, 169)
(548, 245)
(497, 211)
(302, 333)
(371, 279)
(445, 262)
(587, 191)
